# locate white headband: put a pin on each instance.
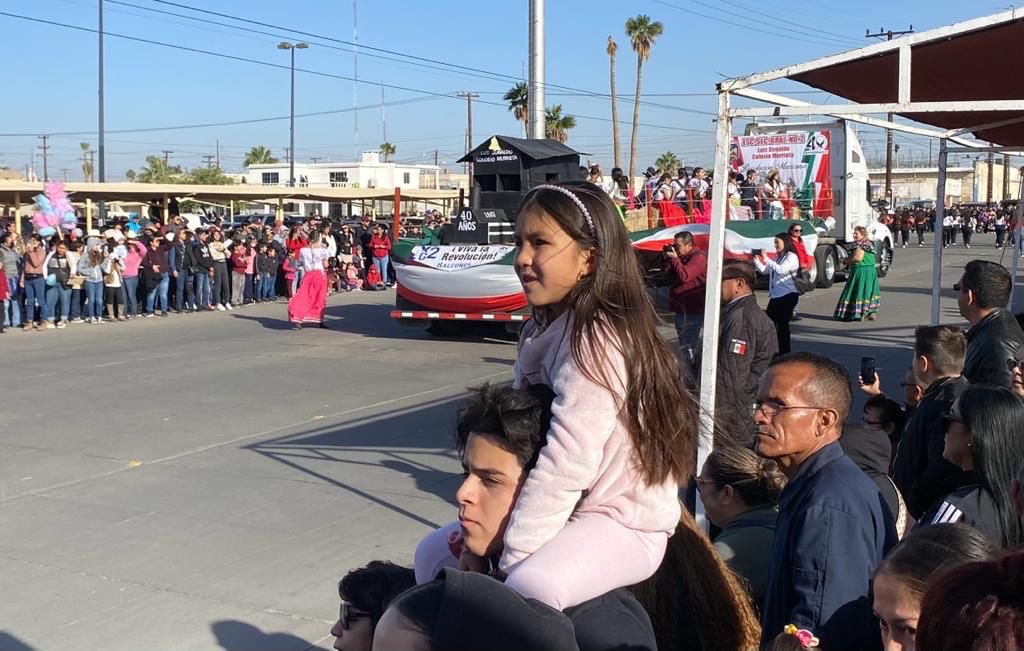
(576, 200)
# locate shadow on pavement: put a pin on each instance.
(393, 442)
(233, 635)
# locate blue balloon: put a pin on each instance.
(47, 231)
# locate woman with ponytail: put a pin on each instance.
(740, 491)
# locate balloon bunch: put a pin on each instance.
(53, 211)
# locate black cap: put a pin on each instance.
(478, 613)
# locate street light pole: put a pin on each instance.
(101, 147)
(283, 45)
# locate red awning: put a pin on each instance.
(986, 64)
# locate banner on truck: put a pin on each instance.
(459, 257)
(803, 159)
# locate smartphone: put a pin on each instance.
(756, 251)
(867, 370)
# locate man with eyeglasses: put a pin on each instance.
(833, 527)
(995, 336)
(365, 594)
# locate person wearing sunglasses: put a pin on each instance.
(833, 528)
(1016, 367)
(995, 336)
(983, 436)
(365, 594)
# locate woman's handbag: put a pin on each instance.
(802, 281)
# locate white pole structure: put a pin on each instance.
(535, 127)
(713, 291)
(1017, 247)
(938, 234)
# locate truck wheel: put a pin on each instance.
(825, 263)
(885, 256)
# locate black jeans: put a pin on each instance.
(967, 233)
(221, 290)
(920, 233)
(780, 311)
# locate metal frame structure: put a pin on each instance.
(951, 140)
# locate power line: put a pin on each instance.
(363, 47)
(784, 23)
(283, 67)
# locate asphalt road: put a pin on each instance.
(201, 482)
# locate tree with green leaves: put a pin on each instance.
(157, 170)
(668, 163)
(518, 98)
(204, 175)
(130, 176)
(642, 33)
(388, 150)
(259, 155)
(556, 125)
(611, 49)
(87, 166)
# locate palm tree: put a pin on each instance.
(642, 33)
(668, 163)
(157, 170)
(87, 169)
(259, 155)
(612, 48)
(130, 176)
(556, 125)
(388, 150)
(518, 98)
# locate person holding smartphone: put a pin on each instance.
(782, 292)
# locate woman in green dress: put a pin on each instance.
(861, 295)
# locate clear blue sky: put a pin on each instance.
(52, 71)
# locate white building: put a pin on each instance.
(370, 172)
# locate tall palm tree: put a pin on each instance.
(388, 150)
(87, 169)
(612, 48)
(556, 125)
(642, 33)
(518, 98)
(668, 163)
(259, 155)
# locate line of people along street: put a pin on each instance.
(900, 526)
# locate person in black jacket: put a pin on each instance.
(201, 263)
(995, 336)
(869, 448)
(919, 470)
(984, 436)
(747, 342)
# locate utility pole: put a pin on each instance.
(888, 34)
(65, 171)
(383, 113)
(435, 158)
(991, 167)
(535, 124)
(92, 165)
(167, 156)
(209, 160)
(45, 147)
(101, 147)
(285, 45)
(469, 130)
(1006, 177)
(218, 153)
(316, 159)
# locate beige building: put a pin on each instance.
(963, 184)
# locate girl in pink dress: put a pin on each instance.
(309, 302)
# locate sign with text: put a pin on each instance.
(460, 256)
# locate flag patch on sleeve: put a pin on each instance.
(737, 346)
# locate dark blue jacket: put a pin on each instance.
(833, 530)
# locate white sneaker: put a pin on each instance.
(228, 306)
(50, 325)
(62, 325)
(220, 307)
(77, 319)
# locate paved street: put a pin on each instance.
(201, 482)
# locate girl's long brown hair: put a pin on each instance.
(694, 600)
(611, 307)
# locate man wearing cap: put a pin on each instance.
(200, 263)
(746, 345)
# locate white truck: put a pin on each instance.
(829, 180)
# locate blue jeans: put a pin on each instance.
(249, 294)
(183, 294)
(264, 286)
(688, 329)
(160, 289)
(53, 295)
(131, 294)
(94, 299)
(382, 267)
(35, 292)
(202, 290)
(12, 309)
(76, 303)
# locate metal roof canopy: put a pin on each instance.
(959, 79)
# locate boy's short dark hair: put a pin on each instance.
(518, 419)
(990, 282)
(372, 588)
(889, 410)
(943, 345)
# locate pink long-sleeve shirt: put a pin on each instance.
(588, 464)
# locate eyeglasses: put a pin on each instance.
(772, 409)
(796, 231)
(701, 483)
(960, 288)
(349, 615)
